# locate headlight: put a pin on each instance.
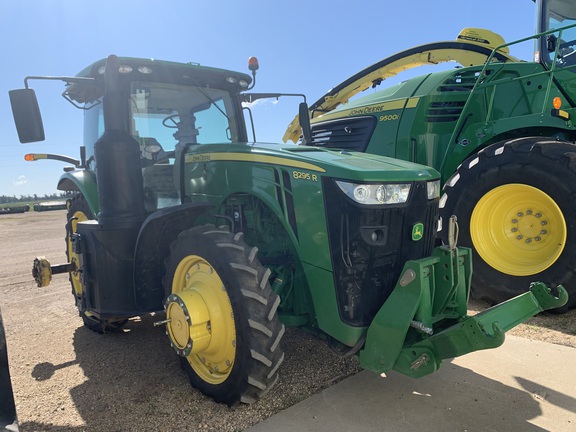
(376, 193)
(433, 189)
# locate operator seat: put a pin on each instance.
(157, 175)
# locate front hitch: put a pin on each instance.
(413, 332)
(482, 331)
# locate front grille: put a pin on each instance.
(366, 272)
(347, 134)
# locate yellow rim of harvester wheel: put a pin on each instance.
(518, 229)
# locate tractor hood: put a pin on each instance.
(341, 164)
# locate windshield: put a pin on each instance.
(555, 15)
(175, 114)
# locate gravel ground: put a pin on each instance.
(67, 378)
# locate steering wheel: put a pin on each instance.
(567, 54)
(567, 44)
(170, 121)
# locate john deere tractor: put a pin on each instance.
(499, 130)
(176, 211)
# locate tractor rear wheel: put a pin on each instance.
(515, 205)
(78, 211)
(222, 314)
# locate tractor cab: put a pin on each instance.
(167, 109)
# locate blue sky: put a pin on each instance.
(303, 47)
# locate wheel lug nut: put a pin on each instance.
(538, 215)
(528, 212)
(514, 220)
(544, 223)
(528, 240)
(514, 229)
(537, 238)
(520, 237)
(543, 232)
(520, 214)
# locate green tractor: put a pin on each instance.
(176, 210)
(499, 131)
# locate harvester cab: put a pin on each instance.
(500, 131)
(176, 211)
(556, 19)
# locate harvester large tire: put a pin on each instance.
(516, 207)
(78, 211)
(223, 315)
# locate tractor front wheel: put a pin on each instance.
(515, 205)
(222, 315)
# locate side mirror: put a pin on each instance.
(305, 123)
(26, 115)
(551, 43)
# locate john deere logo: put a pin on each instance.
(417, 231)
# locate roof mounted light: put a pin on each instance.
(253, 64)
(123, 69)
(145, 70)
(231, 80)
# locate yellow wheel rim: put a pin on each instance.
(78, 216)
(201, 326)
(518, 229)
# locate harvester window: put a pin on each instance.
(560, 13)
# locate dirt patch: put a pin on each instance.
(67, 378)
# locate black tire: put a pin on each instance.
(8, 419)
(257, 353)
(515, 167)
(78, 210)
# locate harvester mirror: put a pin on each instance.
(304, 123)
(26, 115)
(551, 43)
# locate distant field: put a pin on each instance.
(31, 203)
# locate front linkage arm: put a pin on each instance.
(425, 321)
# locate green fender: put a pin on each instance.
(83, 182)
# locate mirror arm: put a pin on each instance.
(251, 97)
(68, 80)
